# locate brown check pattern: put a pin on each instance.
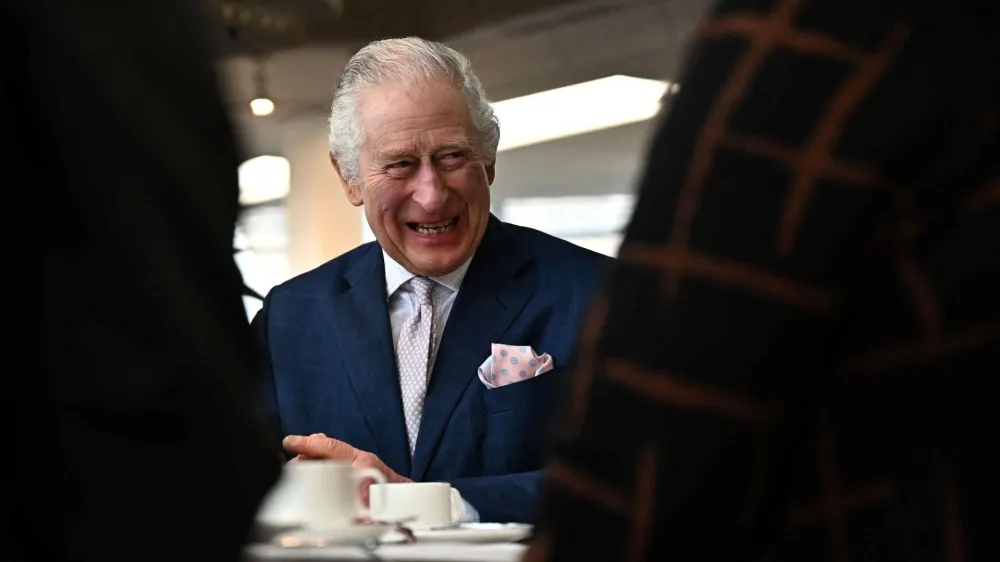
(789, 361)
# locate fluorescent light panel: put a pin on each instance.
(571, 215)
(264, 178)
(578, 109)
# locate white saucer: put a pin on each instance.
(318, 538)
(476, 533)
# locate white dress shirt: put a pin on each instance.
(402, 304)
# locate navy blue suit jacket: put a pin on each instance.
(331, 368)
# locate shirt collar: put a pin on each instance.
(396, 275)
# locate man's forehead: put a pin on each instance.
(424, 117)
(389, 147)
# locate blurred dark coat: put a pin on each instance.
(135, 435)
(793, 358)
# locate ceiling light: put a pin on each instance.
(577, 109)
(262, 107)
(263, 179)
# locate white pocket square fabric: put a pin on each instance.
(512, 363)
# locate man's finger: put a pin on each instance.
(366, 486)
(321, 446)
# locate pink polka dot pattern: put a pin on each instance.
(513, 363)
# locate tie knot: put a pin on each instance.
(423, 288)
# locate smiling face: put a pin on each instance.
(423, 181)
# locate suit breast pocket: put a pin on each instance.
(518, 420)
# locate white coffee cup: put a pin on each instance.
(317, 494)
(433, 504)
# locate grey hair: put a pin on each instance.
(404, 60)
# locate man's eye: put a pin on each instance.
(398, 165)
(453, 155)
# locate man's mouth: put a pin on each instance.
(432, 227)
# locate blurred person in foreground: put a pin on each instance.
(790, 362)
(135, 434)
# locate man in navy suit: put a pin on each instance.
(373, 356)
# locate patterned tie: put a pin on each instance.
(413, 356)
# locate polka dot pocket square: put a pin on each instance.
(509, 364)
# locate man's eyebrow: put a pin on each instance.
(391, 154)
(455, 145)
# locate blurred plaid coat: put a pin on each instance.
(790, 361)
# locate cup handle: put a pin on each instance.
(457, 506)
(379, 478)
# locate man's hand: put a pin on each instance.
(319, 446)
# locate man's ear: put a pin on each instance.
(353, 192)
(491, 173)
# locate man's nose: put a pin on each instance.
(429, 192)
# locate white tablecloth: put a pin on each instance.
(427, 552)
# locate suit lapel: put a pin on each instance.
(490, 298)
(365, 336)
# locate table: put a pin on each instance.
(426, 552)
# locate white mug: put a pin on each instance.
(317, 494)
(433, 504)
